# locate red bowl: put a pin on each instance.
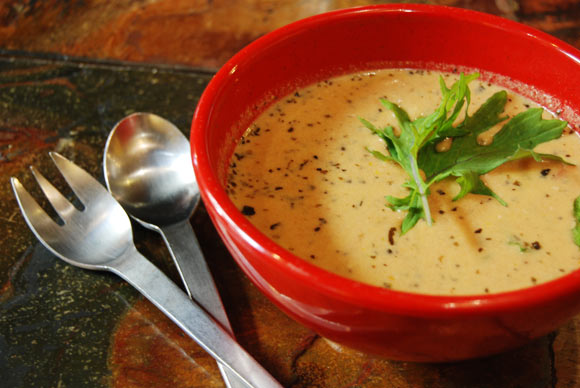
(397, 325)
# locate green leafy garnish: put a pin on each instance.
(519, 244)
(413, 146)
(576, 230)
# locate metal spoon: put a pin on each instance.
(148, 169)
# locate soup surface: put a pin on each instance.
(303, 175)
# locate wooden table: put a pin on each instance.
(68, 71)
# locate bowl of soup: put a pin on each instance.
(302, 192)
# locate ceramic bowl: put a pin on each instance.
(396, 325)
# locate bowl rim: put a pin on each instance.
(354, 292)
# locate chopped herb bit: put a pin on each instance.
(392, 232)
(525, 246)
(522, 246)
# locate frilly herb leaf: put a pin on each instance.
(413, 147)
(576, 229)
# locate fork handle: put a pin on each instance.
(196, 323)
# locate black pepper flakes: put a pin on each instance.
(536, 245)
(248, 210)
(545, 172)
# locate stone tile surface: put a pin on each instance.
(64, 83)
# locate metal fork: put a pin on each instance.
(99, 237)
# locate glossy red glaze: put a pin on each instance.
(393, 324)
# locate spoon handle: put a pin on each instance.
(196, 323)
(193, 269)
(196, 276)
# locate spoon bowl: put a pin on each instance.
(148, 170)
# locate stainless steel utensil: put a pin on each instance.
(148, 169)
(99, 237)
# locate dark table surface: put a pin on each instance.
(68, 71)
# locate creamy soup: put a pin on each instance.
(303, 175)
